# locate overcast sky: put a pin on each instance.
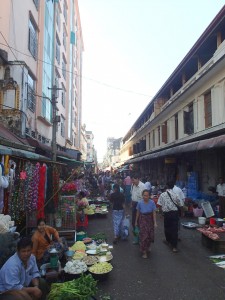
(130, 49)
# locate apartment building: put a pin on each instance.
(182, 130)
(41, 67)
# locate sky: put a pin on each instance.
(131, 47)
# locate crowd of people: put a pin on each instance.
(128, 195)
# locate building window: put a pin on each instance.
(153, 138)
(36, 3)
(64, 68)
(63, 97)
(208, 110)
(57, 50)
(62, 119)
(58, 22)
(189, 120)
(46, 110)
(64, 38)
(65, 11)
(32, 39)
(149, 141)
(164, 132)
(31, 98)
(176, 126)
(158, 135)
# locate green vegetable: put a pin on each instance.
(99, 236)
(78, 289)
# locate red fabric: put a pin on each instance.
(41, 193)
(82, 224)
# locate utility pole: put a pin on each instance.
(55, 120)
(54, 124)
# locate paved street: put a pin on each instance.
(188, 274)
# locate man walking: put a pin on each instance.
(136, 195)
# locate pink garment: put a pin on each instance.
(127, 181)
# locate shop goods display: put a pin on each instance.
(75, 267)
(101, 268)
(79, 245)
(82, 288)
(212, 232)
(90, 260)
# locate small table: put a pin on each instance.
(217, 246)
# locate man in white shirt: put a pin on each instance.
(220, 189)
(136, 195)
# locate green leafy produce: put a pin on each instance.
(99, 236)
(78, 289)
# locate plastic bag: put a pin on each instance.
(125, 228)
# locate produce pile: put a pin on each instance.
(78, 246)
(90, 260)
(75, 267)
(101, 268)
(78, 289)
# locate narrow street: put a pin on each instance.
(186, 275)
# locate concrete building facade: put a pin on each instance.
(182, 130)
(41, 48)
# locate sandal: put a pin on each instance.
(144, 256)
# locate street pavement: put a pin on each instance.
(186, 275)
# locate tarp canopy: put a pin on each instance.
(21, 153)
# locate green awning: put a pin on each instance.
(70, 159)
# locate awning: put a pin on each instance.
(21, 153)
(70, 159)
(215, 142)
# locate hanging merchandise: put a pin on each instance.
(41, 192)
(56, 180)
(16, 198)
(4, 182)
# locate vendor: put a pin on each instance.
(44, 239)
(82, 203)
(220, 189)
(20, 272)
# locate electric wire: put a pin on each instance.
(81, 76)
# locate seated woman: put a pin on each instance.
(44, 239)
(82, 218)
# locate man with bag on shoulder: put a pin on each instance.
(136, 195)
(170, 204)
